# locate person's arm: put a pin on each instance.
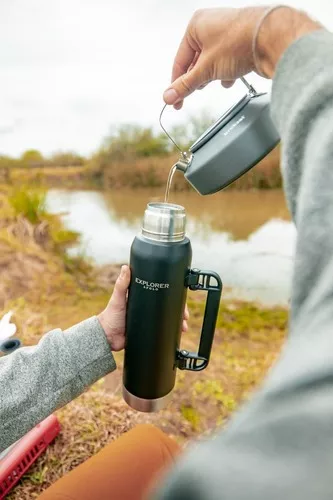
(280, 444)
(35, 381)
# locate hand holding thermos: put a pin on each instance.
(113, 318)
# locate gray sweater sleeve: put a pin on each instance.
(280, 444)
(37, 380)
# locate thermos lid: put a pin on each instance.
(164, 222)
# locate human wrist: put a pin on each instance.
(114, 329)
(279, 28)
(106, 327)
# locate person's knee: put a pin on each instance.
(151, 434)
(147, 430)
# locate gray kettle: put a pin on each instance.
(234, 144)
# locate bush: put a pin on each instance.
(7, 161)
(65, 159)
(132, 141)
(32, 158)
(30, 203)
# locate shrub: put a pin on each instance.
(32, 158)
(30, 203)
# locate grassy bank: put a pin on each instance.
(70, 177)
(46, 289)
(133, 172)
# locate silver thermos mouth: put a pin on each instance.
(164, 222)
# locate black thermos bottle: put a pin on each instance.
(160, 263)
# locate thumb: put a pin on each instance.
(185, 85)
(119, 296)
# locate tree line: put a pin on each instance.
(124, 143)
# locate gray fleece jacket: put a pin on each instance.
(280, 444)
(35, 381)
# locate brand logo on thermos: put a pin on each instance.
(148, 285)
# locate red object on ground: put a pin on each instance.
(18, 459)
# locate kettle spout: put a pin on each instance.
(184, 162)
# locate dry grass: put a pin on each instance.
(45, 293)
(248, 339)
(153, 172)
(147, 172)
(71, 177)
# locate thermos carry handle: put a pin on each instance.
(201, 280)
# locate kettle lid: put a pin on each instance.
(222, 121)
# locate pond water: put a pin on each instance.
(247, 237)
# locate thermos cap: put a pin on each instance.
(164, 222)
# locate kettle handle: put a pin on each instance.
(249, 87)
(201, 280)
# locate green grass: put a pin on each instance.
(28, 203)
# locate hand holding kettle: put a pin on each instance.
(226, 44)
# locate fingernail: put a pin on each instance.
(178, 105)
(170, 96)
(122, 271)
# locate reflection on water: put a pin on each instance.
(247, 237)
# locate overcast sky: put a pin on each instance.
(71, 69)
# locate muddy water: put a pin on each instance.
(245, 236)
